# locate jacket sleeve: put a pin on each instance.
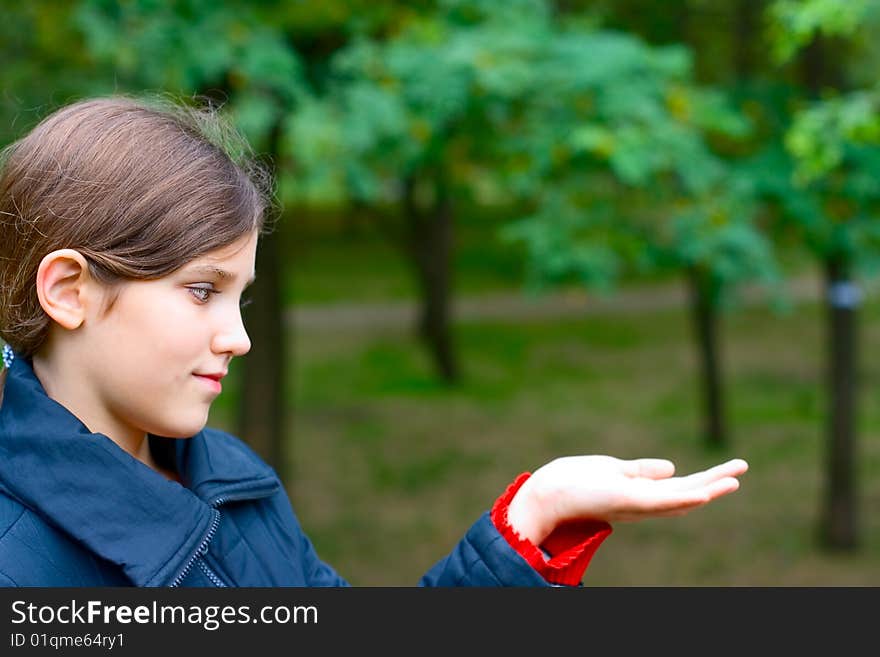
(315, 571)
(270, 548)
(483, 558)
(318, 572)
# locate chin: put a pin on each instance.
(181, 430)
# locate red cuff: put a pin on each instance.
(571, 546)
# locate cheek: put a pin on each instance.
(177, 346)
(152, 333)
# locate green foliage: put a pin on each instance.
(241, 59)
(618, 158)
(603, 140)
(823, 135)
(44, 65)
(566, 243)
(794, 23)
(624, 171)
(424, 101)
(591, 131)
(825, 182)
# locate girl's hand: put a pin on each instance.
(611, 489)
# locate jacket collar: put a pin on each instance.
(122, 510)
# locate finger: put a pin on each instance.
(711, 491)
(679, 506)
(722, 487)
(736, 467)
(660, 510)
(656, 496)
(649, 468)
(732, 468)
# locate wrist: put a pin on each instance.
(529, 515)
(563, 555)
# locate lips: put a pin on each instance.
(211, 380)
(215, 377)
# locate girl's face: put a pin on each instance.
(157, 357)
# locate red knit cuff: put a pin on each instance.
(571, 546)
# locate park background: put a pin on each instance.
(507, 231)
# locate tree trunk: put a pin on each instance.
(821, 65)
(431, 248)
(264, 392)
(837, 524)
(746, 25)
(838, 530)
(704, 314)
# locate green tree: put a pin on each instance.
(37, 74)
(411, 121)
(825, 185)
(625, 176)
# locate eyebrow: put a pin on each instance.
(218, 272)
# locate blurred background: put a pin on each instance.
(513, 230)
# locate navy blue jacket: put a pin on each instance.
(77, 510)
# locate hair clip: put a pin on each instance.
(8, 356)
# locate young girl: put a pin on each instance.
(129, 232)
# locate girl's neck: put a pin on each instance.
(74, 394)
(147, 458)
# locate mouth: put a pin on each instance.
(212, 381)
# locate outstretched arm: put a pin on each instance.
(611, 489)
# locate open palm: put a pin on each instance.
(614, 490)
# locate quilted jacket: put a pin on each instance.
(76, 510)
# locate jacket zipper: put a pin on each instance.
(203, 546)
(210, 574)
(203, 550)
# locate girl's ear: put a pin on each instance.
(61, 287)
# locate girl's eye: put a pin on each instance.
(202, 294)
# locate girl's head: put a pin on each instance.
(139, 189)
(129, 232)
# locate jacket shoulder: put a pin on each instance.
(34, 553)
(228, 441)
(233, 451)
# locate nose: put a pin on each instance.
(232, 338)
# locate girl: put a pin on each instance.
(129, 232)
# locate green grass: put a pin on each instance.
(389, 467)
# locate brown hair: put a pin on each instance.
(138, 187)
